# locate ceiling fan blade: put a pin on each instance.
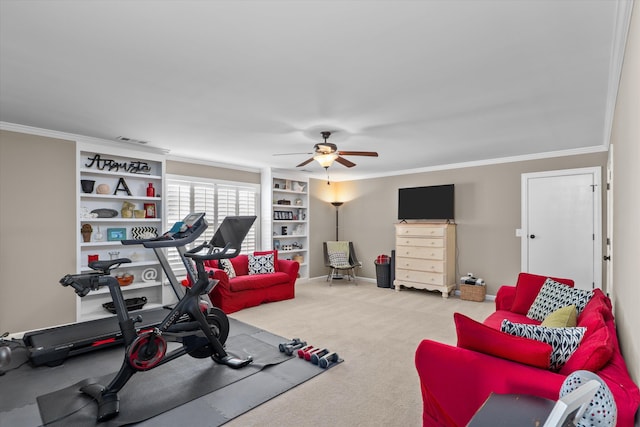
(345, 162)
(289, 154)
(305, 162)
(358, 153)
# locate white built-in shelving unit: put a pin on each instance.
(285, 217)
(137, 170)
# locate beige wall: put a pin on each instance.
(210, 172)
(37, 231)
(626, 177)
(487, 205)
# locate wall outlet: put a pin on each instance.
(518, 232)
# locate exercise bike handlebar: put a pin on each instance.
(212, 253)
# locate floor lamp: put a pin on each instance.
(337, 205)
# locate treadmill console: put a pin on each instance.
(182, 228)
(193, 218)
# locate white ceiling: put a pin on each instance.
(423, 83)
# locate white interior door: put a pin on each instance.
(609, 246)
(561, 225)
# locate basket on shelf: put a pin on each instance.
(473, 292)
(125, 279)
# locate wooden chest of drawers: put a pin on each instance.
(425, 257)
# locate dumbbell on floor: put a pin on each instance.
(283, 345)
(328, 360)
(290, 349)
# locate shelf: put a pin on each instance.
(292, 251)
(128, 265)
(118, 174)
(282, 190)
(101, 244)
(289, 236)
(290, 206)
(137, 220)
(131, 287)
(118, 197)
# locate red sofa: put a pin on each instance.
(247, 290)
(455, 381)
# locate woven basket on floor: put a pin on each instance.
(473, 292)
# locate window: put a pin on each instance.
(217, 199)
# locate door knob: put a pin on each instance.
(533, 236)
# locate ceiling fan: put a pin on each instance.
(325, 153)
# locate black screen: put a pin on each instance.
(232, 230)
(433, 202)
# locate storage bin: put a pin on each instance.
(383, 274)
(473, 292)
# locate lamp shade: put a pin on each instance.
(325, 160)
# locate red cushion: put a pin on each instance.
(494, 320)
(275, 257)
(598, 304)
(240, 265)
(593, 354)
(527, 289)
(475, 336)
(257, 281)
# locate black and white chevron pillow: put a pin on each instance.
(261, 264)
(554, 295)
(563, 341)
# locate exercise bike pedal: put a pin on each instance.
(233, 362)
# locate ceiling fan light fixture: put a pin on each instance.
(325, 160)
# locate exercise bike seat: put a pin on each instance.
(107, 264)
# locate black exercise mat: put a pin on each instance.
(148, 394)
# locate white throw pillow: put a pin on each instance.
(339, 259)
(261, 264)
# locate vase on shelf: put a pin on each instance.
(86, 231)
(151, 192)
(98, 237)
(87, 185)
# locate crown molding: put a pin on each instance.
(476, 163)
(30, 130)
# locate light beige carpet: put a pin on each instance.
(376, 331)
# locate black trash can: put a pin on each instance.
(383, 272)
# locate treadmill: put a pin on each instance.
(52, 346)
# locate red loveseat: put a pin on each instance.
(455, 381)
(247, 290)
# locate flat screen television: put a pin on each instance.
(435, 202)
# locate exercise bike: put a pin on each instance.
(200, 328)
